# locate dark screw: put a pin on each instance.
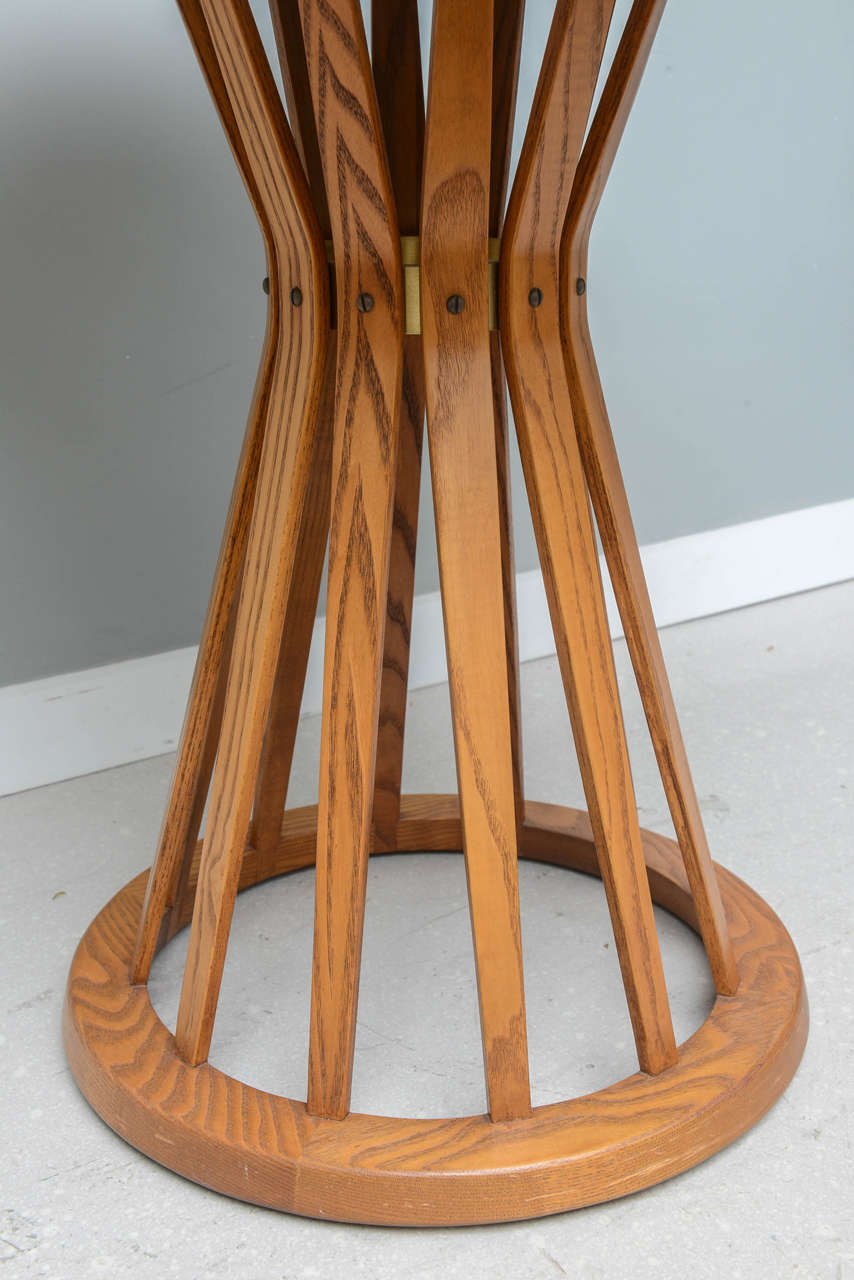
(580, 285)
(265, 284)
(296, 296)
(365, 302)
(455, 304)
(535, 297)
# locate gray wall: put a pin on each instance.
(721, 276)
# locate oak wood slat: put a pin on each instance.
(200, 732)
(396, 58)
(287, 28)
(559, 501)
(274, 770)
(608, 494)
(461, 435)
(289, 682)
(270, 555)
(368, 387)
(506, 55)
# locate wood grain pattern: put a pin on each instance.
(506, 55)
(368, 388)
(461, 434)
(274, 770)
(200, 732)
(610, 504)
(286, 700)
(287, 28)
(559, 501)
(273, 535)
(267, 1149)
(396, 56)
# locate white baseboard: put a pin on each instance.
(69, 725)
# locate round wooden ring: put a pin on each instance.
(266, 1149)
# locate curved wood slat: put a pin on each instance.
(283, 474)
(461, 434)
(369, 283)
(559, 502)
(608, 494)
(289, 682)
(396, 57)
(506, 55)
(200, 732)
(287, 27)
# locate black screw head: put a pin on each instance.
(535, 297)
(580, 285)
(365, 302)
(265, 284)
(455, 304)
(296, 296)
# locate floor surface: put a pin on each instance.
(766, 698)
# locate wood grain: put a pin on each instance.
(274, 769)
(382, 1169)
(367, 400)
(396, 56)
(287, 28)
(461, 434)
(608, 494)
(273, 535)
(506, 55)
(200, 731)
(289, 682)
(559, 501)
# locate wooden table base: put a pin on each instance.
(267, 1149)
(398, 284)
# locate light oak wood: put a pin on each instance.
(506, 55)
(290, 46)
(396, 53)
(382, 1169)
(559, 503)
(369, 280)
(283, 473)
(605, 482)
(200, 731)
(274, 770)
(286, 700)
(332, 450)
(461, 434)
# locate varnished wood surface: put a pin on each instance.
(605, 482)
(286, 700)
(287, 28)
(267, 1149)
(274, 770)
(396, 54)
(559, 502)
(200, 732)
(461, 434)
(283, 472)
(333, 445)
(365, 446)
(506, 55)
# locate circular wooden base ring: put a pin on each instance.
(259, 1147)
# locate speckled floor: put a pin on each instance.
(766, 697)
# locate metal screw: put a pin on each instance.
(296, 296)
(365, 302)
(535, 297)
(580, 285)
(265, 284)
(455, 304)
